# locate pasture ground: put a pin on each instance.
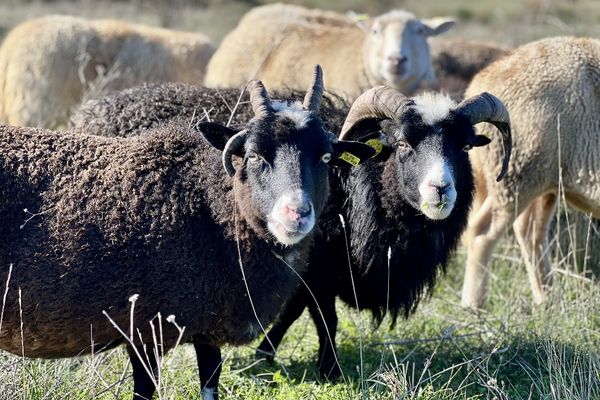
(511, 350)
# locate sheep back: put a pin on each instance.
(132, 111)
(284, 49)
(457, 61)
(550, 88)
(48, 64)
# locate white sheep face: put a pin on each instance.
(396, 49)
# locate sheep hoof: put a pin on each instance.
(209, 394)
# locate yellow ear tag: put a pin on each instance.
(361, 17)
(376, 144)
(350, 158)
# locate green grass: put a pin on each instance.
(510, 351)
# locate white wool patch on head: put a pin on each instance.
(294, 111)
(433, 107)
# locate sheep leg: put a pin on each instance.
(209, 361)
(143, 383)
(325, 319)
(292, 311)
(531, 230)
(485, 229)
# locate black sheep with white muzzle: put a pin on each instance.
(156, 216)
(413, 198)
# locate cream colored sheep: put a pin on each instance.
(47, 64)
(280, 43)
(552, 91)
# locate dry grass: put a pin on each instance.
(511, 22)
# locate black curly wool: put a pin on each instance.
(132, 111)
(352, 263)
(89, 221)
(378, 221)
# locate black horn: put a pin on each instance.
(234, 144)
(259, 98)
(380, 102)
(488, 108)
(314, 94)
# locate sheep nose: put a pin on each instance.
(295, 213)
(397, 60)
(296, 206)
(441, 189)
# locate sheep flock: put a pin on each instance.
(161, 188)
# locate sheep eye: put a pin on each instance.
(403, 144)
(467, 147)
(326, 157)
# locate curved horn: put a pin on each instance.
(488, 108)
(233, 144)
(380, 102)
(259, 98)
(312, 99)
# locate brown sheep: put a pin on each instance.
(457, 61)
(158, 216)
(130, 112)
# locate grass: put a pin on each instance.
(512, 350)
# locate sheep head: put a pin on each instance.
(284, 153)
(427, 139)
(396, 50)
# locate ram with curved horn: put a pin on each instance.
(219, 250)
(409, 203)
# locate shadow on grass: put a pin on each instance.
(514, 367)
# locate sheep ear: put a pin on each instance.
(369, 131)
(350, 154)
(216, 134)
(437, 26)
(481, 140)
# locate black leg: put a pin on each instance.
(292, 311)
(209, 366)
(143, 387)
(328, 366)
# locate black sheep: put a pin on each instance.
(132, 111)
(156, 216)
(413, 199)
(378, 200)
